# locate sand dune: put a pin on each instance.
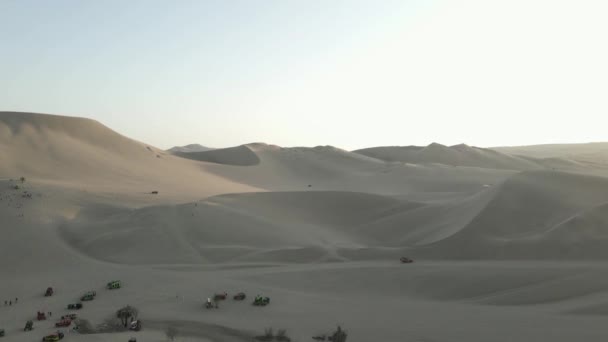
(573, 151)
(84, 154)
(331, 169)
(190, 148)
(536, 215)
(497, 251)
(240, 155)
(464, 155)
(264, 226)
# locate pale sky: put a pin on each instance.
(346, 73)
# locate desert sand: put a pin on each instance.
(508, 246)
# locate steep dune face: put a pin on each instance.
(190, 148)
(537, 215)
(268, 226)
(294, 227)
(592, 157)
(572, 151)
(83, 153)
(240, 155)
(463, 155)
(428, 223)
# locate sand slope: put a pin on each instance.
(240, 155)
(190, 148)
(537, 215)
(331, 169)
(557, 150)
(306, 226)
(464, 155)
(84, 154)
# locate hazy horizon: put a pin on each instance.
(351, 74)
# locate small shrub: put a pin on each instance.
(268, 335)
(282, 336)
(339, 335)
(171, 333)
(84, 327)
(127, 313)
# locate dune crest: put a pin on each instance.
(238, 156)
(82, 153)
(464, 155)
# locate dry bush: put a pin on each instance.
(84, 326)
(171, 333)
(268, 335)
(339, 335)
(127, 313)
(110, 325)
(282, 336)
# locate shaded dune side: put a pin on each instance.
(190, 148)
(571, 151)
(464, 155)
(460, 155)
(536, 215)
(429, 223)
(238, 156)
(281, 226)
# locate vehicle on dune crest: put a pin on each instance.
(405, 260)
(53, 337)
(220, 296)
(135, 325)
(239, 296)
(87, 297)
(114, 284)
(63, 323)
(29, 325)
(211, 304)
(49, 292)
(261, 301)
